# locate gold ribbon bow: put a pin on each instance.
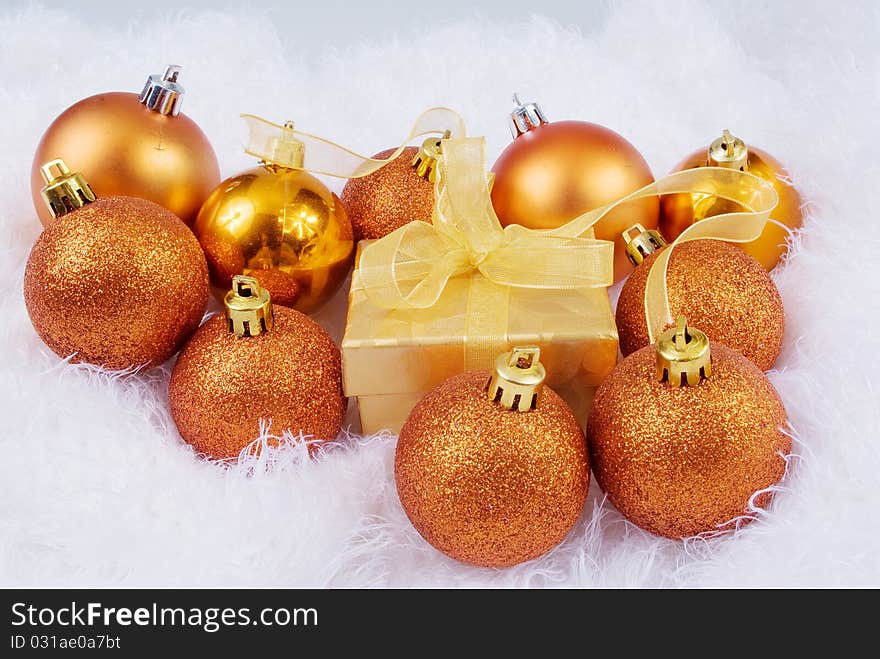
(321, 156)
(409, 268)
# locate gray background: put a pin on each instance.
(349, 20)
(316, 25)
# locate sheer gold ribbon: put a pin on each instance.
(321, 156)
(756, 195)
(409, 268)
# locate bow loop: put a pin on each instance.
(554, 262)
(412, 268)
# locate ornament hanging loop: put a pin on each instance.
(248, 307)
(683, 355)
(518, 379)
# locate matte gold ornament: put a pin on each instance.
(280, 224)
(720, 288)
(400, 192)
(554, 171)
(686, 438)
(492, 469)
(677, 212)
(256, 363)
(133, 145)
(118, 282)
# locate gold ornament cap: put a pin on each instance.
(276, 145)
(518, 379)
(730, 152)
(525, 117)
(163, 94)
(64, 191)
(248, 307)
(425, 162)
(640, 242)
(683, 355)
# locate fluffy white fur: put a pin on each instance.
(96, 487)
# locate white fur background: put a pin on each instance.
(96, 488)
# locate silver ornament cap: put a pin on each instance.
(163, 94)
(525, 117)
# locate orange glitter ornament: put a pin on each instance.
(117, 282)
(256, 363)
(493, 474)
(720, 288)
(554, 171)
(136, 146)
(679, 211)
(682, 439)
(398, 193)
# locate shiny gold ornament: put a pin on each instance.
(118, 282)
(256, 363)
(280, 224)
(677, 212)
(400, 192)
(553, 172)
(492, 469)
(720, 288)
(684, 440)
(137, 146)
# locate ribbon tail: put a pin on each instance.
(740, 227)
(748, 190)
(322, 156)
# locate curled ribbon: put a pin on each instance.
(409, 268)
(321, 156)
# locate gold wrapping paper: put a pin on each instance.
(392, 357)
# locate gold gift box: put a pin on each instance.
(392, 357)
